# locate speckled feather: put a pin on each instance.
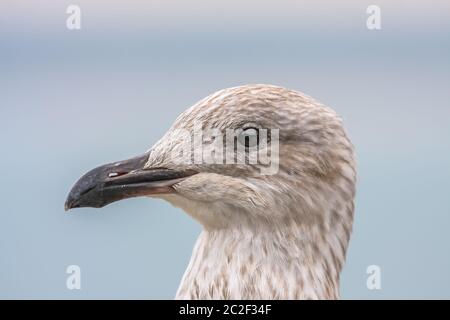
(281, 236)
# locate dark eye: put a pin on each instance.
(249, 137)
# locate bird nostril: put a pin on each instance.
(116, 174)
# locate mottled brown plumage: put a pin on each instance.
(280, 236)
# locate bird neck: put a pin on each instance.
(272, 263)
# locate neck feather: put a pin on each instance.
(282, 262)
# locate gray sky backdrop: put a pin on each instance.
(71, 100)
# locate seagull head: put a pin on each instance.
(244, 157)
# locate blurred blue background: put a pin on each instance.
(73, 99)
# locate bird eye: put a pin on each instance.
(249, 137)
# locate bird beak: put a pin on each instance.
(121, 180)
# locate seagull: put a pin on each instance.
(276, 229)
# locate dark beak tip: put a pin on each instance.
(68, 204)
(71, 201)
